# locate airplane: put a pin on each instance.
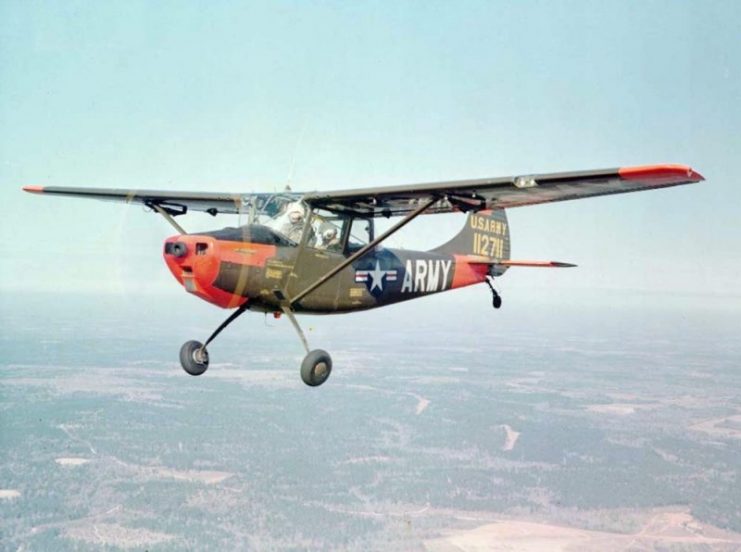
(317, 252)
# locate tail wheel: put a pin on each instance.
(496, 300)
(316, 368)
(194, 358)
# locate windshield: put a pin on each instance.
(287, 220)
(285, 215)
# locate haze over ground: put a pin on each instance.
(542, 425)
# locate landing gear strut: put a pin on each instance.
(317, 364)
(496, 300)
(315, 368)
(193, 354)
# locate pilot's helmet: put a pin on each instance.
(296, 212)
(328, 232)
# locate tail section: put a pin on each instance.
(485, 237)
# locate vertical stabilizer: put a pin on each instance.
(485, 235)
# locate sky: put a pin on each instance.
(252, 96)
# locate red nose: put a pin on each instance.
(194, 261)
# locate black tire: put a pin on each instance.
(497, 302)
(193, 361)
(316, 368)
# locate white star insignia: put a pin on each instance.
(377, 275)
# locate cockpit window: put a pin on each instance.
(361, 234)
(327, 231)
(280, 219)
(289, 221)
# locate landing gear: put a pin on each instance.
(316, 367)
(193, 354)
(317, 364)
(496, 299)
(194, 358)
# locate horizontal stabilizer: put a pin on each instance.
(537, 264)
(510, 262)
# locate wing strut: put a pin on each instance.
(167, 216)
(362, 251)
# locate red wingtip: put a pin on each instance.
(669, 173)
(34, 189)
(696, 176)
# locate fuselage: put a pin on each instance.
(234, 266)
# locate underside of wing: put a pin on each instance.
(453, 196)
(175, 203)
(502, 193)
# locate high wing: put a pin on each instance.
(175, 203)
(452, 196)
(503, 193)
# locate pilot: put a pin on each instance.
(290, 223)
(328, 237)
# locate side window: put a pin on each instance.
(327, 231)
(361, 234)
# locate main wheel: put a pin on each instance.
(194, 358)
(316, 367)
(497, 302)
